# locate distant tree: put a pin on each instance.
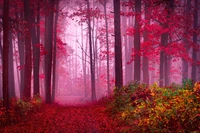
(5, 53)
(92, 64)
(107, 45)
(118, 46)
(11, 76)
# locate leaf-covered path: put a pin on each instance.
(66, 119)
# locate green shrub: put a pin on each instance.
(157, 109)
(19, 110)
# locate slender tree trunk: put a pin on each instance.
(118, 46)
(194, 52)
(137, 60)
(108, 51)
(36, 57)
(92, 68)
(130, 46)
(1, 54)
(164, 59)
(124, 22)
(164, 41)
(145, 58)
(21, 55)
(83, 61)
(55, 50)
(28, 59)
(5, 54)
(185, 63)
(48, 56)
(11, 84)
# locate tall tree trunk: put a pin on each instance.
(28, 59)
(21, 55)
(1, 54)
(118, 46)
(184, 62)
(83, 61)
(137, 59)
(124, 22)
(36, 57)
(11, 84)
(130, 46)
(48, 56)
(145, 63)
(164, 59)
(5, 54)
(55, 50)
(92, 68)
(194, 52)
(107, 45)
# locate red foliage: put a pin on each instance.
(73, 119)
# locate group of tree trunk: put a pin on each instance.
(29, 44)
(29, 41)
(141, 73)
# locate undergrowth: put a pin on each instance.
(140, 109)
(18, 111)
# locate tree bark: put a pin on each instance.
(118, 47)
(164, 59)
(36, 56)
(194, 52)
(137, 59)
(48, 56)
(185, 65)
(28, 59)
(55, 51)
(145, 63)
(11, 84)
(5, 54)
(21, 54)
(107, 45)
(92, 68)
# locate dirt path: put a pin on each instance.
(69, 119)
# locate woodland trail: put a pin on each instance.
(66, 119)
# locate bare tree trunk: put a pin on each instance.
(194, 52)
(5, 54)
(11, 84)
(130, 46)
(21, 55)
(55, 51)
(137, 60)
(185, 63)
(48, 56)
(118, 46)
(164, 59)
(145, 63)
(107, 45)
(36, 57)
(28, 59)
(1, 54)
(92, 68)
(126, 48)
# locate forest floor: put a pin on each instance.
(90, 118)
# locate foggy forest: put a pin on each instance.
(99, 66)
